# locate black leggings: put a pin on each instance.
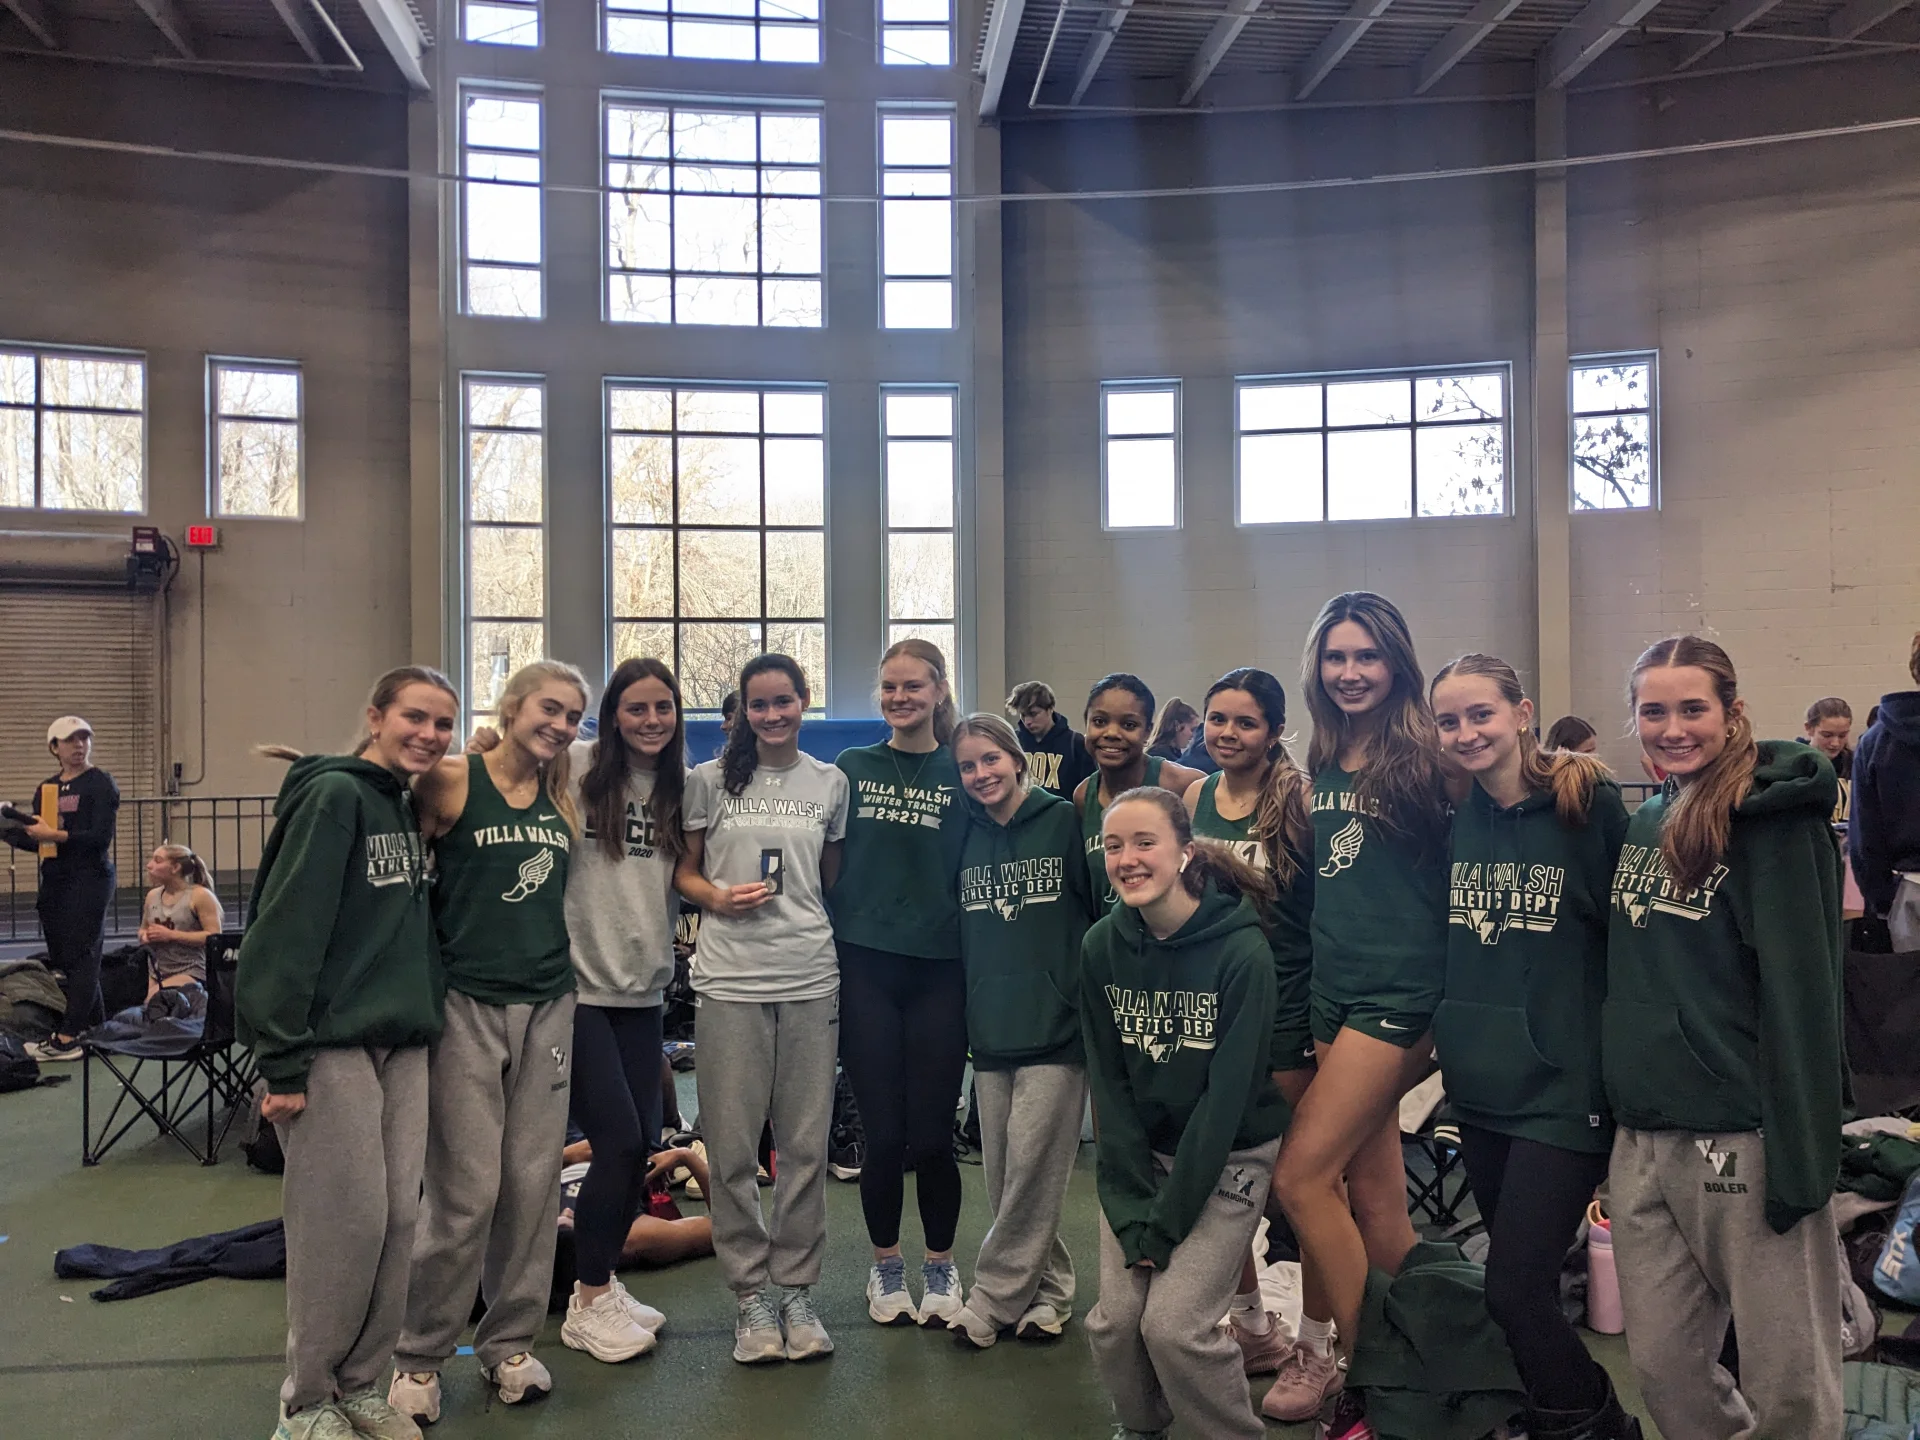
(73, 915)
(903, 1041)
(616, 1102)
(1532, 1197)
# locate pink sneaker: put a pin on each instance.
(1347, 1422)
(1306, 1381)
(1263, 1354)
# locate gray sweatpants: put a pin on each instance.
(1156, 1335)
(761, 1062)
(349, 1197)
(498, 1122)
(1029, 1136)
(1903, 919)
(1693, 1248)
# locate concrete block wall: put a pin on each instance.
(1207, 289)
(184, 260)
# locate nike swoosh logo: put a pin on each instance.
(546, 817)
(1389, 1025)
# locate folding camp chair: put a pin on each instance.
(210, 1074)
(1436, 1175)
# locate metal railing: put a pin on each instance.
(226, 831)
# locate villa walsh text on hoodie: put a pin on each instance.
(1176, 1034)
(1723, 1001)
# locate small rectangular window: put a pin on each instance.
(501, 231)
(254, 436)
(916, 32)
(1372, 447)
(916, 219)
(778, 32)
(1140, 455)
(73, 430)
(1615, 432)
(921, 468)
(505, 512)
(718, 515)
(500, 22)
(714, 216)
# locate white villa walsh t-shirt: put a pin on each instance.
(783, 950)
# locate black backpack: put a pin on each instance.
(18, 1070)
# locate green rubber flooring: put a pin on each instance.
(204, 1361)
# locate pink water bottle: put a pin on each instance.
(1604, 1315)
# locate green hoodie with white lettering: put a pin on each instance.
(1518, 1028)
(1025, 905)
(1724, 1002)
(1176, 1034)
(341, 950)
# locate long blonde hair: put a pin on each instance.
(386, 690)
(190, 866)
(557, 772)
(1567, 775)
(946, 713)
(997, 733)
(1401, 781)
(1699, 821)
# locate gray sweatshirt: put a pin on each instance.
(620, 913)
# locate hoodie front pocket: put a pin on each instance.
(1019, 1015)
(1651, 1065)
(1490, 1059)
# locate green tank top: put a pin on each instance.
(1091, 814)
(1292, 917)
(499, 896)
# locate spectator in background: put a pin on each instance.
(1883, 835)
(1873, 717)
(1829, 724)
(1173, 733)
(1572, 733)
(76, 881)
(1057, 757)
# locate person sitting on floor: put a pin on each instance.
(657, 1237)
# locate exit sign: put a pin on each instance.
(203, 537)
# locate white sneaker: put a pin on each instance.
(373, 1417)
(604, 1328)
(645, 1316)
(52, 1052)
(416, 1393)
(520, 1377)
(972, 1331)
(889, 1301)
(943, 1298)
(1042, 1322)
(757, 1337)
(806, 1336)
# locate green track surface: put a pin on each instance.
(204, 1361)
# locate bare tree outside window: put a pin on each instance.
(255, 432)
(500, 22)
(73, 431)
(506, 536)
(1372, 447)
(772, 31)
(501, 231)
(718, 519)
(713, 217)
(1614, 411)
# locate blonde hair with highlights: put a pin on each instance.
(556, 773)
(1567, 775)
(1699, 821)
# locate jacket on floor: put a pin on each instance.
(1025, 907)
(341, 950)
(1176, 1033)
(253, 1252)
(1883, 834)
(1723, 1010)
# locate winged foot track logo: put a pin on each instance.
(534, 871)
(1344, 848)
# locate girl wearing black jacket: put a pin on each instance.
(76, 881)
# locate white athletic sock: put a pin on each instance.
(1316, 1335)
(1249, 1312)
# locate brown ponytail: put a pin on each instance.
(1229, 874)
(1564, 774)
(1282, 820)
(1699, 821)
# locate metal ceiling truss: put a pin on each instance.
(33, 14)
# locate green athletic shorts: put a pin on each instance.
(1404, 1028)
(1292, 1047)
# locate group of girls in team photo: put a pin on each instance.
(1244, 971)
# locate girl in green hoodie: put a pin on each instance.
(1518, 1032)
(338, 994)
(1024, 908)
(1176, 1005)
(1380, 818)
(1721, 1046)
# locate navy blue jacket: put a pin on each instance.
(1883, 834)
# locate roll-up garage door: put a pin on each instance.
(82, 650)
